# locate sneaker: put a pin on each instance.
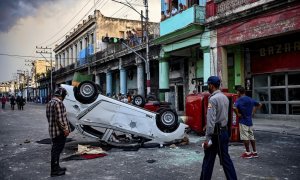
(246, 155)
(254, 154)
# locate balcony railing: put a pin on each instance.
(195, 14)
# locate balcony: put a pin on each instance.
(183, 25)
(195, 14)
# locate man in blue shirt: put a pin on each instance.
(244, 108)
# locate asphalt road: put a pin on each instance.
(21, 157)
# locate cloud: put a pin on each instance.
(12, 10)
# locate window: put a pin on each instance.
(278, 80)
(261, 81)
(92, 38)
(294, 94)
(294, 109)
(278, 108)
(261, 95)
(279, 93)
(294, 79)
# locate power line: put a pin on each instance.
(76, 24)
(66, 23)
(124, 10)
(104, 4)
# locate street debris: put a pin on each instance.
(185, 140)
(88, 149)
(85, 152)
(26, 141)
(173, 146)
(151, 161)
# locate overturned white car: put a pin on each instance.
(118, 123)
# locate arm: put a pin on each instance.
(257, 106)
(236, 110)
(61, 118)
(211, 119)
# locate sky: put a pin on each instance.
(26, 24)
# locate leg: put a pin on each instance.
(246, 144)
(58, 144)
(228, 166)
(208, 162)
(253, 145)
(252, 139)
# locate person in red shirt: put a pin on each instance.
(3, 100)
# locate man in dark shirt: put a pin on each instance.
(59, 129)
(244, 108)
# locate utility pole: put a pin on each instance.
(147, 63)
(47, 50)
(147, 49)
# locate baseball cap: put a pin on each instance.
(214, 80)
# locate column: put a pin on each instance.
(67, 57)
(140, 79)
(64, 59)
(71, 55)
(163, 77)
(56, 62)
(223, 68)
(59, 61)
(123, 81)
(206, 63)
(109, 83)
(97, 79)
(239, 69)
(79, 46)
(75, 54)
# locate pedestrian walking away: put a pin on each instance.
(22, 103)
(18, 101)
(245, 107)
(59, 129)
(12, 102)
(216, 135)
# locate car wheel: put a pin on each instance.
(86, 92)
(167, 120)
(138, 100)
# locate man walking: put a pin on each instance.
(12, 102)
(59, 129)
(244, 108)
(216, 134)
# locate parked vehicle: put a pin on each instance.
(117, 123)
(196, 110)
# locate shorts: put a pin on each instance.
(246, 132)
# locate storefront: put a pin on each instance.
(262, 53)
(275, 69)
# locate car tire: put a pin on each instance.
(167, 120)
(138, 100)
(86, 93)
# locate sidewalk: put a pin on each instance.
(290, 127)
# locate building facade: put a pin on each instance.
(257, 45)
(184, 61)
(116, 67)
